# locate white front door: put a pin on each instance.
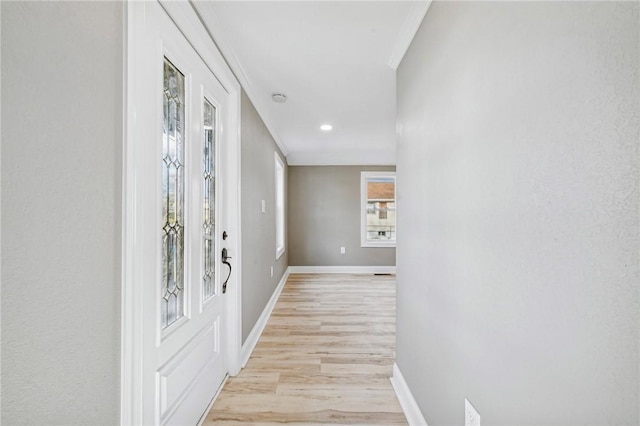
(181, 136)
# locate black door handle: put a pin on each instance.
(225, 255)
(225, 258)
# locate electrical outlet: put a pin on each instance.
(471, 415)
(343, 250)
(272, 272)
(263, 205)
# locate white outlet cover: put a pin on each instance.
(272, 272)
(471, 415)
(343, 250)
(264, 206)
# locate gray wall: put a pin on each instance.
(258, 229)
(518, 176)
(61, 165)
(324, 215)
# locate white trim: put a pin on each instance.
(407, 32)
(371, 244)
(234, 307)
(131, 395)
(407, 401)
(379, 157)
(342, 269)
(256, 332)
(188, 22)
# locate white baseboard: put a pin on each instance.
(342, 269)
(256, 332)
(407, 402)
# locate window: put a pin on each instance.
(209, 201)
(378, 209)
(172, 285)
(279, 168)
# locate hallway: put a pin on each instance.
(325, 356)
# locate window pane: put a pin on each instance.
(172, 302)
(280, 225)
(381, 209)
(209, 202)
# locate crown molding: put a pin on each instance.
(407, 33)
(341, 158)
(342, 269)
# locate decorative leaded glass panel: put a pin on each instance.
(209, 202)
(172, 302)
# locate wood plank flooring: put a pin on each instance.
(325, 357)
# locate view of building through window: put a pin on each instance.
(381, 209)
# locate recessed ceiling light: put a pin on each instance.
(326, 127)
(279, 98)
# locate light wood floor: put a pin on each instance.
(325, 357)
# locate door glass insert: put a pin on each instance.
(172, 302)
(209, 202)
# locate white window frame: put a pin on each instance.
(279, 204)
(364, 176)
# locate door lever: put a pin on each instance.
(225, 255)
(225, 260)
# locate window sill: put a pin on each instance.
(371, 244)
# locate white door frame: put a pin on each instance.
(187, 20)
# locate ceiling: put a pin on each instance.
(334, 60)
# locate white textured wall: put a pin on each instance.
(518, 234)
(61, 167)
